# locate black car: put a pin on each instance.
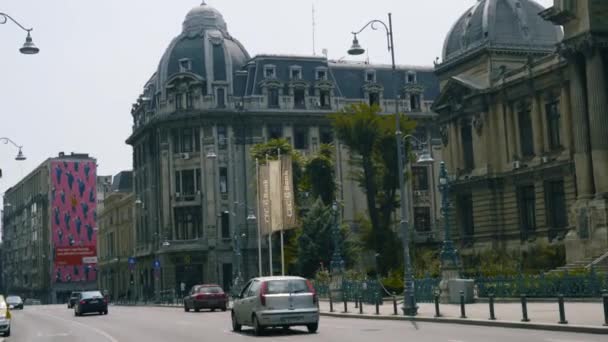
(90, 301)
(73, 299)
(14, 302)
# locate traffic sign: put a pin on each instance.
(156, 264)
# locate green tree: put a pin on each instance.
(319, 174)
(371, 140)
(315, 243)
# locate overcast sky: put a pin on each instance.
(95, 57)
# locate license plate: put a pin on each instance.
(291, 318)
(93, 302)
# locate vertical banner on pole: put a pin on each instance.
(274, 175)
(259, 218)
(289, 212)
(264, 200)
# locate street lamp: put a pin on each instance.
(337, 263)
(409, 301)
(20, 156)
(449, 255)
(28, 47)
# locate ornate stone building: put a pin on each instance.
(199, 115)
(524, 128)
(116, 238)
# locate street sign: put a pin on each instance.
(156, 264)
(89, 260)
(131, 263)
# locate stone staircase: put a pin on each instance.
(599, 262)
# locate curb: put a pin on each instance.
(503, 324)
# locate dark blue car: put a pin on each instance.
(90, 301)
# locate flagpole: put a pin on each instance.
(270, 233)
(282, 218)
(257, 174)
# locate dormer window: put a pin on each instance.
(296, 73)
(370, 76)
(270, 71)
(411, 77)
(321, 74)
(185, 65)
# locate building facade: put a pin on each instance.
(511, 123)
(198, 117)
(104, 188)
(116, 239)
(49, 230)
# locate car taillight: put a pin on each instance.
(312, 290)
(83, 302)
(200, 296)
(263, 290)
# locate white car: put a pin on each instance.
(5, 318)
(276, 302)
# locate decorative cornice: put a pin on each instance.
(324, 85)
(271, 83)
(373, 87)
(585, 43)
(413, 88)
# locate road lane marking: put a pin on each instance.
(96, 330)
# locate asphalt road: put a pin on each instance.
(151, 324)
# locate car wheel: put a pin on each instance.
(7, 333)
(186, 308)
(212, 309)
(224, 308)
(235, 324)
(258, 329)
(105, 312)
(312, 328)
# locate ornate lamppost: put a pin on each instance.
(450, 262)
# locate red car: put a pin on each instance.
(208, 296)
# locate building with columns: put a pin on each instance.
(523, 120)
(116, 239)
(199, 115)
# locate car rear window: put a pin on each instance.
(286, 286)
(91, 294)
(13, 299)
(210, 289)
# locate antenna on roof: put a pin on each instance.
(314, 28)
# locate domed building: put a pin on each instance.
(194, 125)
(515, 112)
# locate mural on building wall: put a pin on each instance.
(74, 226)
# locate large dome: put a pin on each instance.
(212, 52)
(501, 24)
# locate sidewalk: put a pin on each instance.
(581, 317)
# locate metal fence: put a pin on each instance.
(588, 285)
(543, 286)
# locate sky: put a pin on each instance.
(95, 56)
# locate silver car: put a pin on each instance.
(276, 302)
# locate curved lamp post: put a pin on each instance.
(20, 156)
(28, 47)
(409, 304)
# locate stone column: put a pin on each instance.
(515, 135)
(537, 126)
(565, 109)
(580, 130)
(510, 132)
(598, 120)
